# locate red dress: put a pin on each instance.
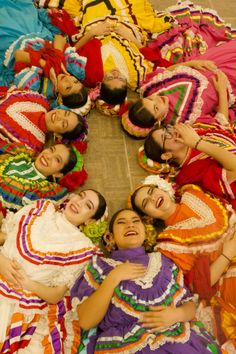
(22, 118)
(205, 171)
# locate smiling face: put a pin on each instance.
(114, 79)
(81, 207)
(52, 160)
(128, 230)
(61, 121)
(157, 105)
(166, 138)
(68, 84)
(154, 202)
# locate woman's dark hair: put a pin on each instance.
(134, 206)
(79, 129)
(159, 224)
(113, 95)
(69, 165)
(114, 216)
(76, 100)
(71, 162)
(152, 149)
(101, 205)
(140, 116)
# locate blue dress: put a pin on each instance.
(20, 19)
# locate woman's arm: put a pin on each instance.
(196, 64)
(24, 57)
(50, 294)
(100, 29)
(221, 263)
(9, 269)
(94, 308)
(188, 136)
(59, 42)
(161, 317)
(2, 238)
(220, 82)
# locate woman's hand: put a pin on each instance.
(229, 247)
(127, 271)
(186, 134)
(159, 317)
(53, 78)
(23, 280)
(202, 65)
(220, 81)
(101, 29)
(10, 270)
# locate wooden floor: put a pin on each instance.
(111, 156)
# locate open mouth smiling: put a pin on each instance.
(131, 233)
(159, 202)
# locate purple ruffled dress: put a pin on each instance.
(120, 331)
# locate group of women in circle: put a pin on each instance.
(167, 280)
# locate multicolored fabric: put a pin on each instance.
(197, 229)
(33, 77)
(19, 21)
(197, 30)
(206, 172)
(139, 12)
(118, 52)
(214, 132)
(22, 118)
(191, 93)
(20, 182)
(120, 331)
(37, 237)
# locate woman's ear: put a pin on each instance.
(166, 156)
(109, 241)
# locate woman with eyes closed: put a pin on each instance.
(26, 176)
(34, 54)
(205, 157)
(199, 236)
(139, 310)
(185, 92)
(46, 248)
(37, 123)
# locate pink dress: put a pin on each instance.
(191, 93)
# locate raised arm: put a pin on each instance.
(90, 314)
(188, 136)
(219, 266)
(220, 82)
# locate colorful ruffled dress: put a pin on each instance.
(18, 19)
(191, 92)
(22, 118)
(196, 29)
(24, 27)
(20, 182)
(193, 239)
(206, 172)
(37, 237)
(120, 330)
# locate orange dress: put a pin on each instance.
(193, 239)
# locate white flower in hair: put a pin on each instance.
(160, 183)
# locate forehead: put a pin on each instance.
(126, 214)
